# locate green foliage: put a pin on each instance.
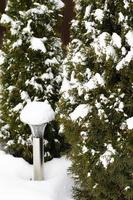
(30, 72)
(99, 79)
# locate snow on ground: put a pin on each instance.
(16, 180)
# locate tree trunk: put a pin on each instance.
(68, 14)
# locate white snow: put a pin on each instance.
(121, 106)
(110, 52)
(65, 89)
(84, 149)
(127, 188)
(89, 174)
(5, 19)
(87, 11)
(129, 122)
(37, 44)
(17, 107)
(123, 125)
(15, 27)
(58, 3)
(36, 113)
(90, 27)
(47, 76)
(2, 58)
(5, 128)
(116, 40)
(17, 43)
(74, 23)
(80, 111)
(27, 29)
(128, 55)
(99, 14)
(107, 158)
(121, 17)
(123, 50)
(102, 45)
(65, 86)
(101, 40)
(40, 9)
(126, 4)
(84, 135)
(88, 73)
(101, 113)
(78, 6)
(103, 99)
(16, 180)
(51, 61)
(125, 61)
(33, 82)
(96, 80)
(24, 96)
(129, 38)
(78, 57)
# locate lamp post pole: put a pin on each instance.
(38, 158)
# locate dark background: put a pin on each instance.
(64, 29)
(2, 8)
(68, 14)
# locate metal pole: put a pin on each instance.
(38, 158)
